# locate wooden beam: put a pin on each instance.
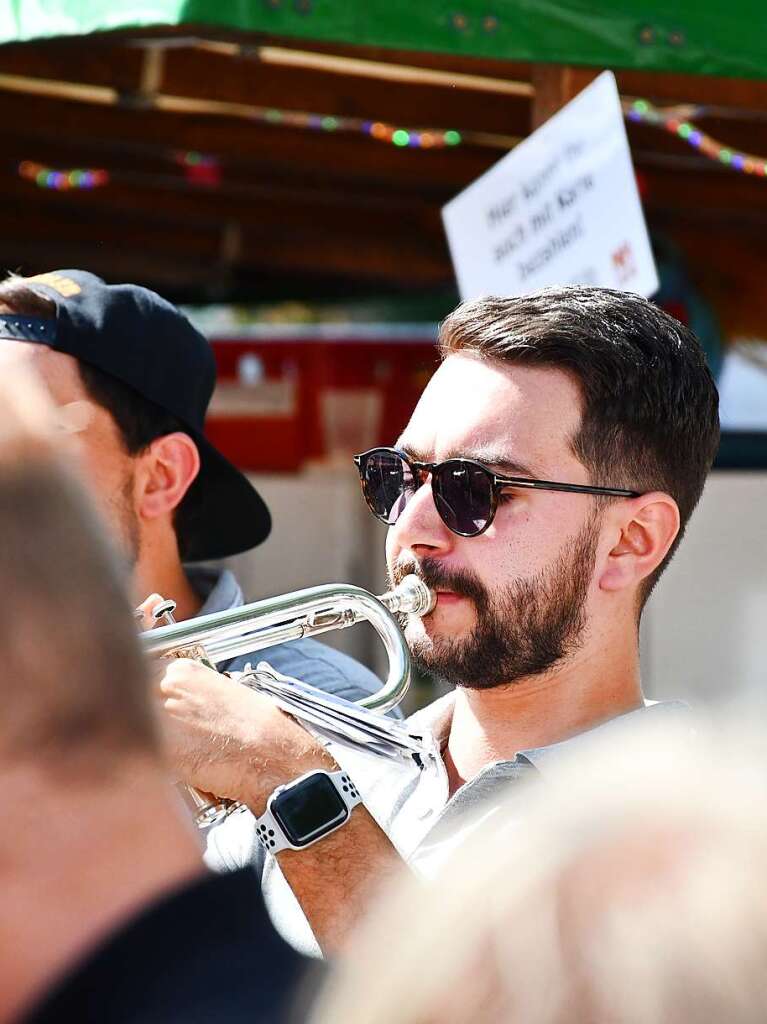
(365, 67)
(244, 81)
(555, 85)
(735, 93)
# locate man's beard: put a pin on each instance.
(522, 629)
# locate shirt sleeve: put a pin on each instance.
(231, 844)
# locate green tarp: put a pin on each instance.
(696, 36)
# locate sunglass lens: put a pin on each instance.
(388, 483)
(463, 494)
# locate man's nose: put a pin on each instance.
(420, 526)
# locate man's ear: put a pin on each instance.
(645, 529)
(165, 473)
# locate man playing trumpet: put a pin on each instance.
(541, 487)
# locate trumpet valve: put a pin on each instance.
(164, 612)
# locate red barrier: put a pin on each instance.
(289, 395)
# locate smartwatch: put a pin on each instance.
(306, 810)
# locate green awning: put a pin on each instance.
(695, 36)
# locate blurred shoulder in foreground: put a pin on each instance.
(634, 894)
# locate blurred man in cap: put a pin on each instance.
(108, 913)
(135, 379)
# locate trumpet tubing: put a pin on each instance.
(305, 613)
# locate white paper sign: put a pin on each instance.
(561, 208)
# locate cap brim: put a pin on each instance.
(228, 515)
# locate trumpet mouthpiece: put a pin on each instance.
(411, 596)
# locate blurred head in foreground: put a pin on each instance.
(75, 686)
(96, 831)
(634, 894)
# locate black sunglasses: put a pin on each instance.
(465, 492)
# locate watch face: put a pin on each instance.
(309, 809)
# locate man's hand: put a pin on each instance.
(226, 739)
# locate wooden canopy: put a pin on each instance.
(208, 197)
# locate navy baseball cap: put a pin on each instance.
(135, 336)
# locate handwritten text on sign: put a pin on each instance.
(561, 208)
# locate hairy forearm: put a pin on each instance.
(336, 879)
(234, 742)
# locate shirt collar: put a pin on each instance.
(218, 589)
(438, 716)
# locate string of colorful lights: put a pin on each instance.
(62, 180)
(380, 131)
(677, 121)
(205, 170)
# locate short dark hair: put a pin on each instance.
(650, 406)
(139, 420)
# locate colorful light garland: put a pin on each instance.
(675, 120)
(206, 169)
(414, 139)
(62, 180)
(381, 131)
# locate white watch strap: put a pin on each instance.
(269, 831)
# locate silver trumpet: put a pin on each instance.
(305, 613)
